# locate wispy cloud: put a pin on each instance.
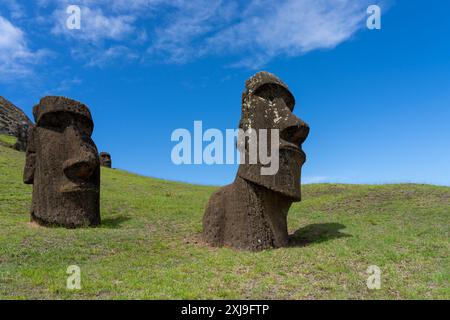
(16, 58)
(109, 29)
(251, 33)
(105, 57)
(65, 86)
(258, 31)
(96, 26)
(15, 9)
(184, 32)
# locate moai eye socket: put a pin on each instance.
(59, 121)
(267, 92)
(271, 91)
(55, 121)
(84, 127)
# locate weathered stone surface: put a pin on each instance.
(105, 159)
(22, 137)
(62, 164)
(14, 122)
(251, 213)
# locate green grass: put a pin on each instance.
(7, 141)
(148, 246)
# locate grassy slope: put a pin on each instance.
(148, 244)
(7, 140)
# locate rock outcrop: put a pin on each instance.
(11, 118)
(14, 122)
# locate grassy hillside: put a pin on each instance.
(6, 141)
(148, 245)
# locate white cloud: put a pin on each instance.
(103, 57)
(102, 22)
(95, 25)
(180, 31)
(119, 6)
(182, 36)
(16, 59)
(15, 9)
(65, 86)
(262, 30)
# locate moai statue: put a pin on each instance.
(251, 213)
(62, 164)
(22, 137)
(105, 159)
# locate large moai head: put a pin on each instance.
(251, 213)
(62, 164)
(105, 159)
(267, 103)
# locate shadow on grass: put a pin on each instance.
(114, 223)
(317, 233)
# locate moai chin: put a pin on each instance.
(251, 213)
(105, 159)
(62, 164)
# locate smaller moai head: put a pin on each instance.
(62, 164)
(22, 137)
(105, 159)
(267, 103)
(22, 131)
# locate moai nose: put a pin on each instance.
(76, 169)
(295, 130)
(84, 161)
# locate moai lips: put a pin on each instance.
(252, 212)
(62, 164)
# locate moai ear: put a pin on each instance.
(30, 161)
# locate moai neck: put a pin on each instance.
(267, 212)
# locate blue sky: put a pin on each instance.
(377, 101)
